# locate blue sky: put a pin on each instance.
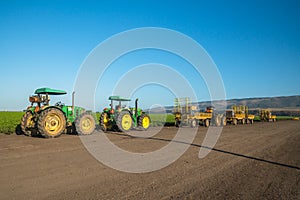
(255, 45)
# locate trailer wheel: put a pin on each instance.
(224, 121)
(234, 121)
(218, 120)
(206, 123)
(177, 122)
(243, 121)
(194, 123)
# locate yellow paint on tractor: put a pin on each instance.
(186, 113)
(126, 122)
(202, 116)
(146, 122)
(266, 115)
(239, 114)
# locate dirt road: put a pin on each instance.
(259, 161)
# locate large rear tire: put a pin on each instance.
(51, 123)
(28, 125)
(85, 124)
(144, 122)
(124, 121)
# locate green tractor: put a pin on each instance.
(122, 118)
(51, 121)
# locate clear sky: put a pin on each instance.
(255, 45)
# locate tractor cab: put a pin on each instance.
(117, 104)
(230, 113)
(42, 98)
(210, 109)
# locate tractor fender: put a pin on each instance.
(30, 110)
(131, 113)
(48, 107)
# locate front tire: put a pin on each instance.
(51, 123)
(144, 122)
(85, 124)
(28, 125)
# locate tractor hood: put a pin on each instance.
(49, 91)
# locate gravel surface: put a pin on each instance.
(259, 161)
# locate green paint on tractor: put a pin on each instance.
(120, 117)
(47, 120)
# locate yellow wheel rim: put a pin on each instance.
(126, 122)
(86, 124)
(53, 124)
(145, 122)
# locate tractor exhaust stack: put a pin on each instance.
(136, 108)
(73, 102)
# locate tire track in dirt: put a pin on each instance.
(245, 163)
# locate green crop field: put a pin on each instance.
(161, 119)
(284, 117)
(257, 118)
(9, 121)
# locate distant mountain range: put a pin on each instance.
(278, 104)
(283, 102)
